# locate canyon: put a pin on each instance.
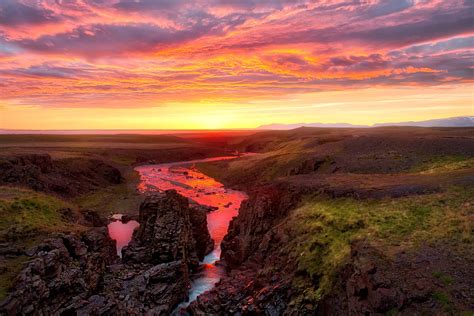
(332, 222)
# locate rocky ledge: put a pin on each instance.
(65, 268)
(259, 281)
(67, 177)
(81, 274)
(264, 277)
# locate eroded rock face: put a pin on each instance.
(264, 209)
(165, 233)
(198, 219)
(81, 275)
(64, 267)
(260, 277)
(137, 290)
(406, 282)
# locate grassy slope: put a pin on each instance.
(264, 167)
(281, 151)
(28, 211)
(122, 198)
(27, 218)
(326, 227)
(444, 164)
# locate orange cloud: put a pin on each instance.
(120, 55)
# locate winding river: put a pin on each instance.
(188, 181)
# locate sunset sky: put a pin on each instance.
(174, 64)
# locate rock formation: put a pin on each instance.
(63, 268)
(165, 233)
(260, 278)
(82, 275)
(198, 219)
(264, 209)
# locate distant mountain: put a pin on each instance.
(460, 121)
(296, 125)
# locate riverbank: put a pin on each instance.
(81, 274)
(56, 179)
(220, 204)
(339, 223)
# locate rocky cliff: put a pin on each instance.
(288, 254)
(82, 274)
(261, 273)
(198, 219)
(67, 177)
(266, 207)
(64, 269)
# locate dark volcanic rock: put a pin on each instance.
(64, 267)
(373, 282)
(83, 217)
(265, 208)
(204, 242)
(81, 275)
(25, 170)
(260, 280)
(138, 290)
(92, 218)
(165, 232)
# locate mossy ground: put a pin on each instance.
(324, 228)
(27, 218)
(122, 198)
(11, 267)
(264, 167)
(28, 211)
(444, 164)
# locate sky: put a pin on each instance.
(210, 64)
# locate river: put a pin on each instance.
(188, 181)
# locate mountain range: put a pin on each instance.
(459, 121)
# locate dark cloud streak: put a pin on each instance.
(15, 13)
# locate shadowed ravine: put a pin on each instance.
(204, 190)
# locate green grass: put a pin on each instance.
(324, 228)
(444, 300)
(259, 168)
(444, 164)
(122, 198)
(446, 279)
(28, 211)
(27, 218)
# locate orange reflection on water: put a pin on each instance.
(121, 233)
(188, 181)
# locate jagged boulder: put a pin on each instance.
(63, 267)
(165, 233)
(136, 290)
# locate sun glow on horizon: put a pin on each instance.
(365, 106)
(232, 65)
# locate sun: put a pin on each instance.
(212, 120)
